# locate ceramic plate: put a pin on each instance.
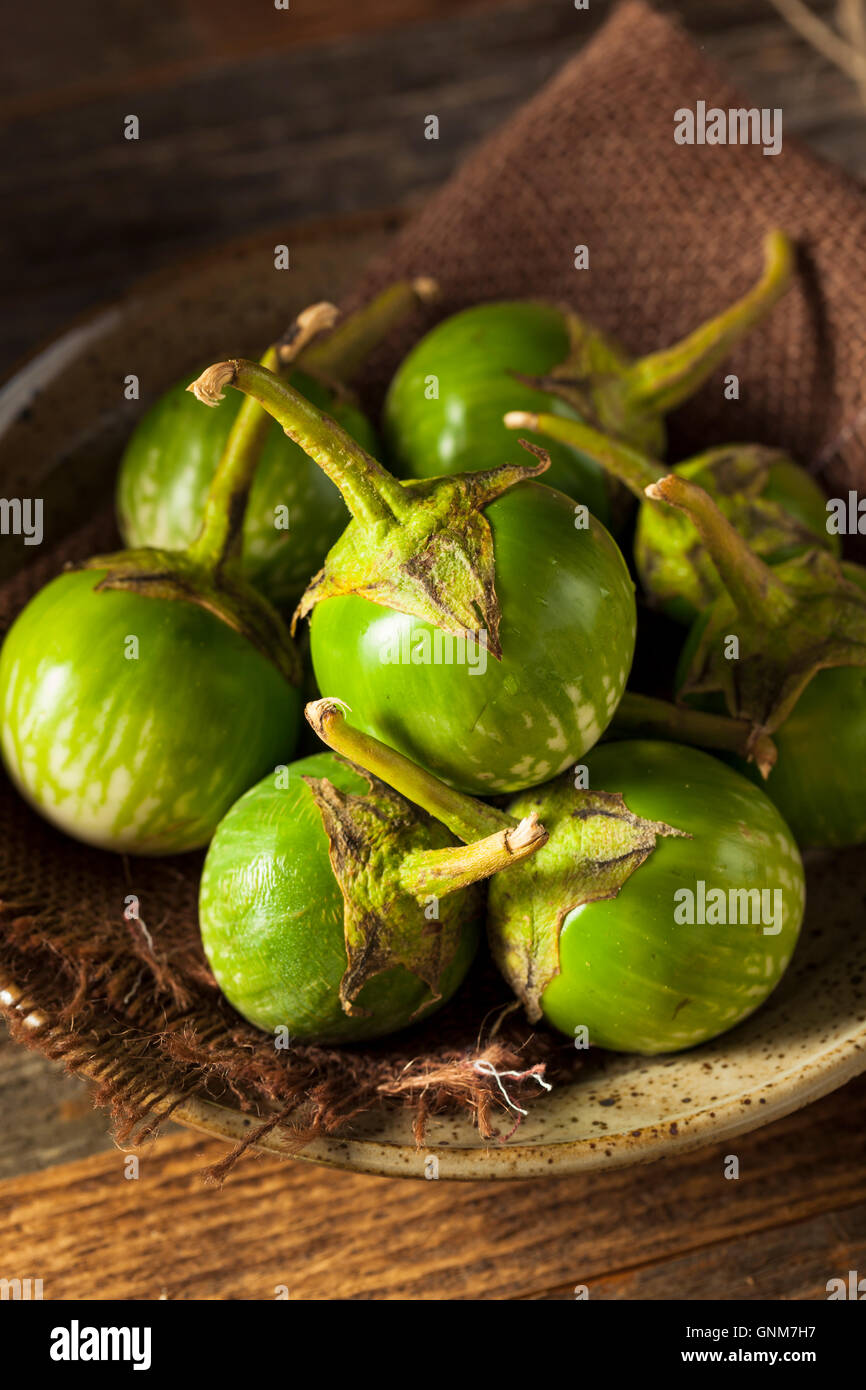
(62, 419)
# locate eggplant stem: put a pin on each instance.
(335, 359)
(221, 536)
(342, 354)
(755, 589)
(465, 817)
(369, 490)
(660, 381)
(644, 716)
(633, 468)
(442, 871)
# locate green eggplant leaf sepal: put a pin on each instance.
(819, 621)
(397, 869)
(595, 844)
(422, 547)
(435, 560)
(593, 381)
(673, 562)
(384, 925)
(174, 575)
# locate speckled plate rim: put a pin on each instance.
(750, 1109)
(708, 1125)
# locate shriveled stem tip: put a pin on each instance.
(688, 497)
(530, 831)
(657, 491)
(521, 420)
(756, 590)
(320, 315)
(536, 450)
(762, 751)
(324, 714)
(310, 322)
(208, 388)
(426, 289)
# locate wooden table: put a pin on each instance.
(254, 115)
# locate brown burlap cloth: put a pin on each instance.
(674, 233)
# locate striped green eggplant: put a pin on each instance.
(662, 907)
(332, 908)
(295, 513)
(142, 692)
(483, 624)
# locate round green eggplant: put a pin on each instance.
(470, 358)
(630, 973)
(480, 623)
(133, 722)
(648, 918)
(272, 917)
(445, 407)
(800, 627)
(294, 513)
(567, 632)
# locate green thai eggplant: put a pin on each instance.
(445, 406)
(662, 908)
(295, 513)
(142, 692)
(335, 910)
(785, 649)
(482, 628)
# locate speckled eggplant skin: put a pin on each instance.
(567, 630)
(271, 915)
(170, 462)
(145, 754)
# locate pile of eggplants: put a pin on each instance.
(471, 591)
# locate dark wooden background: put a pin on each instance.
(253, 118)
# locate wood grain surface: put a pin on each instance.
(252, 117)
(794, 1218)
